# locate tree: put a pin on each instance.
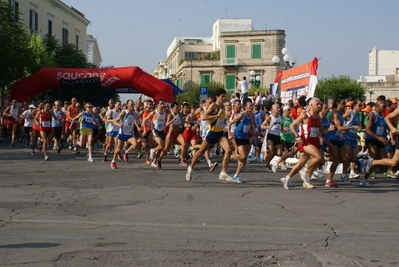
(192, 94)
(339, 86)
(14, 48)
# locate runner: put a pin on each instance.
(28, 117)
(216, 116)
(43, 118)
(146, 140)
(173, 123)
(125, 122)
(112, 129)
(57, 124)
(308, 140)
(273, 125)
(12, 114)
(244, 125)
(158, 117)
(376, 139)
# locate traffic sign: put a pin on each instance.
(203, 93)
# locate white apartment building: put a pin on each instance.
(56, 18)
(234, 49)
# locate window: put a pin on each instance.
(50, 27)
(77, 41)
(33, 21)
(230, 81)
(65, 35)
(179, 83)
(256, 51)
(189, 54)
(205, 78)
(230, 53)
(15, 9)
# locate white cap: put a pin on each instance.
(286, 107)
(32, 106)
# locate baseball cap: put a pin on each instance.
(367, 109)
(286, 107)
(32, 106)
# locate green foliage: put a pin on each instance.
(14, 48)
(339, 86)
(192, 94)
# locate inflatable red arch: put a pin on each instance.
(106, 78)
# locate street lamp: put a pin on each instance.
(370, 92)
(289, 61)
(255, 79)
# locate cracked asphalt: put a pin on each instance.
(69, 212)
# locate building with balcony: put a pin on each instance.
(233, 50)
(56, 18)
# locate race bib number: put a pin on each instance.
(276, 127)
(45, 124)
(89, 120)
(246, 128)
(353, 131)
(161, 125)
(220, 123)
(314, 132)
(380, 130)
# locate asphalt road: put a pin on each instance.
(69, 212)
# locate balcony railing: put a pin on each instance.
(229, 61)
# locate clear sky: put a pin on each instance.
(340, 32)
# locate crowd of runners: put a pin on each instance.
(241, 129)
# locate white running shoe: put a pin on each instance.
(225, 176)
(274, 166)
(189, 173)
(285, 182)
(354, 176)
(283, 166)
(303, 173)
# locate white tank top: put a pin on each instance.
(159, 122)
(111, 127)
(276, 125)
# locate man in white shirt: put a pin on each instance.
(244, 87)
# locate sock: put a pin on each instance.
(287, 177)
(352, 172)
(209, 162)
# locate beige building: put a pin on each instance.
(56, 18)
(233, 50)
(383, 77)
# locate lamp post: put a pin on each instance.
(370, 92)
(255, 79)
(288, 60)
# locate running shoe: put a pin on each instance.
(368, 164)
(330, 184)
(104, 157)
(147, 161)
(154, 164)
(345, 178)
(139, 155)
(303, 173)
(372, 175)
(113, 165)
(274, 166)
(213, 166)
(75, 151)
(354, 176)
(12, 145)
(307, 185)
(90, 159)
(46, 158)
(283, 166)
(317, 175)
(59, 150)
(267, 169)
(189, 173)
(32, 153)
(225, 176)
(365, 183)
(237, 179)
(125, 157)
(183, 163)
(285, 182)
